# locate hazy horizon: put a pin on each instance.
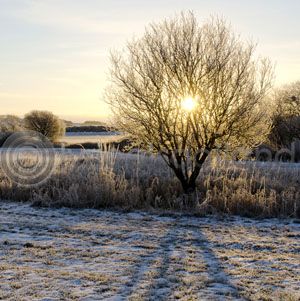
(54, 53)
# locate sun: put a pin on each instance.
(188, 104)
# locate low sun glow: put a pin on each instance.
(188, 104)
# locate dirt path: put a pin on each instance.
(65, 254)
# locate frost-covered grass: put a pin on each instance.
(85, 254)
(90, 137)
(137, 181)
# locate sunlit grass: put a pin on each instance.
(113, 179)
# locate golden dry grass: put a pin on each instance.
(128, 181)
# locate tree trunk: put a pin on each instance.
(189, 187)
(188, 183)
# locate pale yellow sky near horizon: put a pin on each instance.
(54, 53)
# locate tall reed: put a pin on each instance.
(109, 178)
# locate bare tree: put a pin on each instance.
(10, 123)
(286, 116)
(186, 89)
(45, 123)
(287, 100)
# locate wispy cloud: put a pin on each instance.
(60, 15)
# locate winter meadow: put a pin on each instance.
(174, 175)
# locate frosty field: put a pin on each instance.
(90, 137)
(87, 254)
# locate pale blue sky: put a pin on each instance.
(53, 53)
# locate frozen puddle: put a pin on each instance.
(68, 254)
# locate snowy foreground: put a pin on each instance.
(67, 254)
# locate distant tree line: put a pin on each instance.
(93, 122)
(88, 128)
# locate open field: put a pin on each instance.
(78, 138)
(69, 254)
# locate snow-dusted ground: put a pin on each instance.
(100, 134)
(93, 137)
(68, 254)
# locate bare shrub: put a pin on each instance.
(45, 123)
(286, 116)
(10, 123)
